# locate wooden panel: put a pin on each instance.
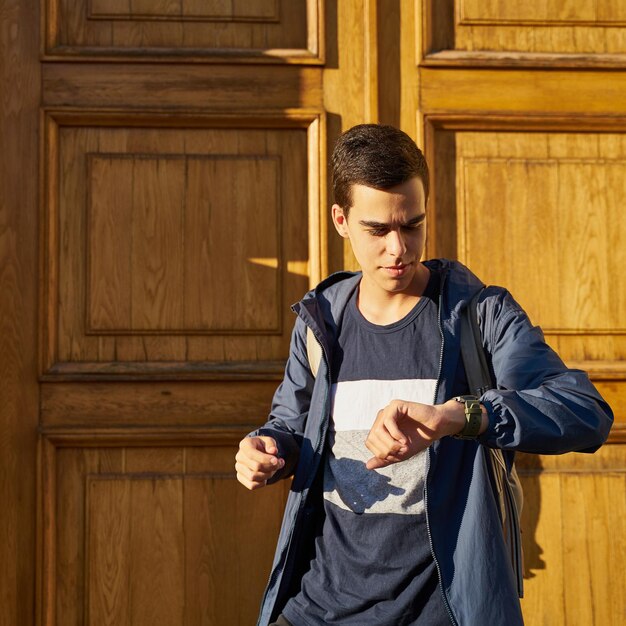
(69, 560)
(160, 404)
(232, 255)
(135, 551)
(543, 211)
(167, 236)
(229, 10)
(251, 30)
(545, 198)
(573, 527)
(576, 97)
(564, 11)
(153, 532)
(108, 551)
(547, 205)
(536, 32)
(182, 88)
(175, 265)
(215, 552)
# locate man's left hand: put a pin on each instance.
(402, 429)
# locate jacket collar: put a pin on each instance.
(322, 308)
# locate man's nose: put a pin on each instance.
(395, 243)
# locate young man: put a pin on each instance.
(391, 519)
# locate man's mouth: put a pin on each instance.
(396, 270)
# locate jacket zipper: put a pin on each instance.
(430, 538)
(324, 430)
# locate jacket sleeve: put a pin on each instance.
(290, 405)
(539, 405)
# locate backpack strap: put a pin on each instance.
(509, 496)
(474, 360)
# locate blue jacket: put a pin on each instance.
(539, 406)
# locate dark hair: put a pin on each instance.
(377, 156)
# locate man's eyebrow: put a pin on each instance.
(371, 224)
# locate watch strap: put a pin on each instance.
(473, 417)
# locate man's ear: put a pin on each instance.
(340, 221)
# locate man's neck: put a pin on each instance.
(383, 307)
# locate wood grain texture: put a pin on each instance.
(20, 86)
(228, 10)
(202, 271)
(155, 533)
(508, 34)
(181, 88)
(68, 550)
(553, 201)
(180, 237)
(263, 31)
(108, 551)
(607, 459)
(348, 85)
(571, 545)
(148, 450)
(542, 537)
(156, 296)
(157, 594)
(532, 183)
(166, 403)
(539, 92)
(562, 126)
(217, 554)
(539, 12)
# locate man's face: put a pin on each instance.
(387, 230)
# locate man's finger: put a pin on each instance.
(253, 474)
(261, 443)
(377, 463)
(269, 444)
(259, 461)
(259, 449)
(249, 484)
(381, 443)
(392, 428)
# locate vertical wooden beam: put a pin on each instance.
(371, 61)
(350, 84)
(389, 78)
(409, 79)
(19, 117)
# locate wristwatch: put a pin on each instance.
(473, 417)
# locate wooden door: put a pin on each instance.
(521, 110)
(180, 219)
(163, 201)
(161, 209)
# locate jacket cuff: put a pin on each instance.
(288, 450)
(485, 437)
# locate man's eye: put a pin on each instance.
(377, 232)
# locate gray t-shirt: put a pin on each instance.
(373, 562)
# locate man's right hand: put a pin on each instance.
(256, 462)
